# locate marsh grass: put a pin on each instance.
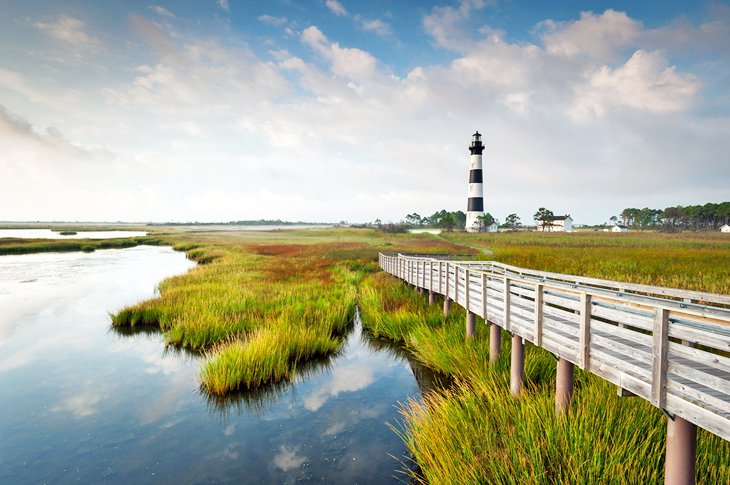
(28, 246)
(475, 432)
(260, 308)
(696, 261)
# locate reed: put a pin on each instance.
(476, 432)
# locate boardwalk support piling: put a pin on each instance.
(517, 368)
(447, 306)
(431, 297)
(679, 466)
(563, 386)
(471, 324)
(495, 343)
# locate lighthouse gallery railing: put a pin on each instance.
(668, 346)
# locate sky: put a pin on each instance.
(330, 110)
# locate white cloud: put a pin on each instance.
(336, 7)
(271, 20)
(162, 11)
(224, 5)
(348, 62)
(643, 82)
(445, 24)
(600, 36)
(377, 26)
(70, 30)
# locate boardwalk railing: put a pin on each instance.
(668, 346)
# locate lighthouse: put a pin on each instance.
(475, 205)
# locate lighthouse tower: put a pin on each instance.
(475, 206)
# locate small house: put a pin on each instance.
(620, 228)
(725, 228)
(558, 224)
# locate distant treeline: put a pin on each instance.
(708, 217)
(258, 222)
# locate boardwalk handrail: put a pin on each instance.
(668, 346)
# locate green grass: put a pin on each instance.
(28, 246)
(476, 432)
(259, 310)
(697, 261)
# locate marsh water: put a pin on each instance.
(49, 234)
(83, 403)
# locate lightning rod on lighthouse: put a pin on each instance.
(475, 204)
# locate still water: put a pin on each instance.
(82, 403)
(49, 234)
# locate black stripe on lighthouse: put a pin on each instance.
(475, 176)
(475, 204)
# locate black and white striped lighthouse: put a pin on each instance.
(475, 206)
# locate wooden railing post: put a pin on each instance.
(484, 296)
(659, 358)
(538, 314)
(470, 316)
(431, 294)
(447, 300)
(507, 302)
(456, 284)
(584, 338)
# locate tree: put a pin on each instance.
(485, 221)
(459, 218)
(512, 221)
(544, 217)
(413, 219)
(614, 219)
(447, 223)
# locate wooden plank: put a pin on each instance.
(700, 398)
(448, 271)
(484, 296)
(695, 335)
(466, 291)
(456, 283)
(538, 314)
(699, 356)
(622, 333)
(712, 422)
(660, 347)
(626, 348)
(506, 304)
(585, 330)
(706, 379)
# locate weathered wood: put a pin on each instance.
(585, 330)
(506, 302)
(538, 314)
(623, 333)
(660, 361)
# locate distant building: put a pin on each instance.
(725, 228)
(559, 224)
(620, 228)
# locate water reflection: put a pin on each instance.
(83, 403)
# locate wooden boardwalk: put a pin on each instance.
(668, 346)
